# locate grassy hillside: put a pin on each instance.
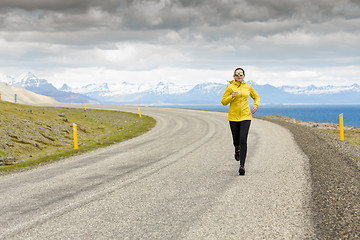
(32, 135)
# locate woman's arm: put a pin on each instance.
(254, 95)
(227, 97)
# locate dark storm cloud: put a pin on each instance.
(140, 15)
(175, 14)
(51, 5)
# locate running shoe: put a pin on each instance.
(242, 170)
(237, 155)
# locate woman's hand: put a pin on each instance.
(235, 94)
(254, 109)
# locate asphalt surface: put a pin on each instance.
(178, 181)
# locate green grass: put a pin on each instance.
(42, 136)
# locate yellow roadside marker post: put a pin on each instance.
(139, 110)
(341, 124)
(85, 107)
(0, 96)
(75, 136)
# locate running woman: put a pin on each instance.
(237, 94)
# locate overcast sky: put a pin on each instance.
(280, 42)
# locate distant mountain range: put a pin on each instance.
(34, 84)
(170, 94)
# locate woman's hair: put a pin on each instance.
(239, 69)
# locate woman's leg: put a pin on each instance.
(244, 131)
(235, 131)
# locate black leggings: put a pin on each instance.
(240, 132)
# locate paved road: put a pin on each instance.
(178, 181)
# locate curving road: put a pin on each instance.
(178, 181)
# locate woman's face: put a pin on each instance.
(239, 75)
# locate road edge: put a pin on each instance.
(335, 182)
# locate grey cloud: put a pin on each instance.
(49, 5)
(210, 28)
(167, 14)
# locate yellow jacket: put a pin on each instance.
(239, 105)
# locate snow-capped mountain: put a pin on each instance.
(126, 88)
(7, 79)
(30, 82)
(65, 88)
(163, 88)
(90, 89)
(28, 79)
(321, 90)
(208, 89)
(87, 88)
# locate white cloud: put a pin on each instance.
(308, 39)
(295, 38)
(321, 76)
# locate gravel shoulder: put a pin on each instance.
(334, 167)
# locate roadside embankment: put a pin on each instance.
(32, 135)
(335, 168)
(23, 96)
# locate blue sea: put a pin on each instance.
(307, 113)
